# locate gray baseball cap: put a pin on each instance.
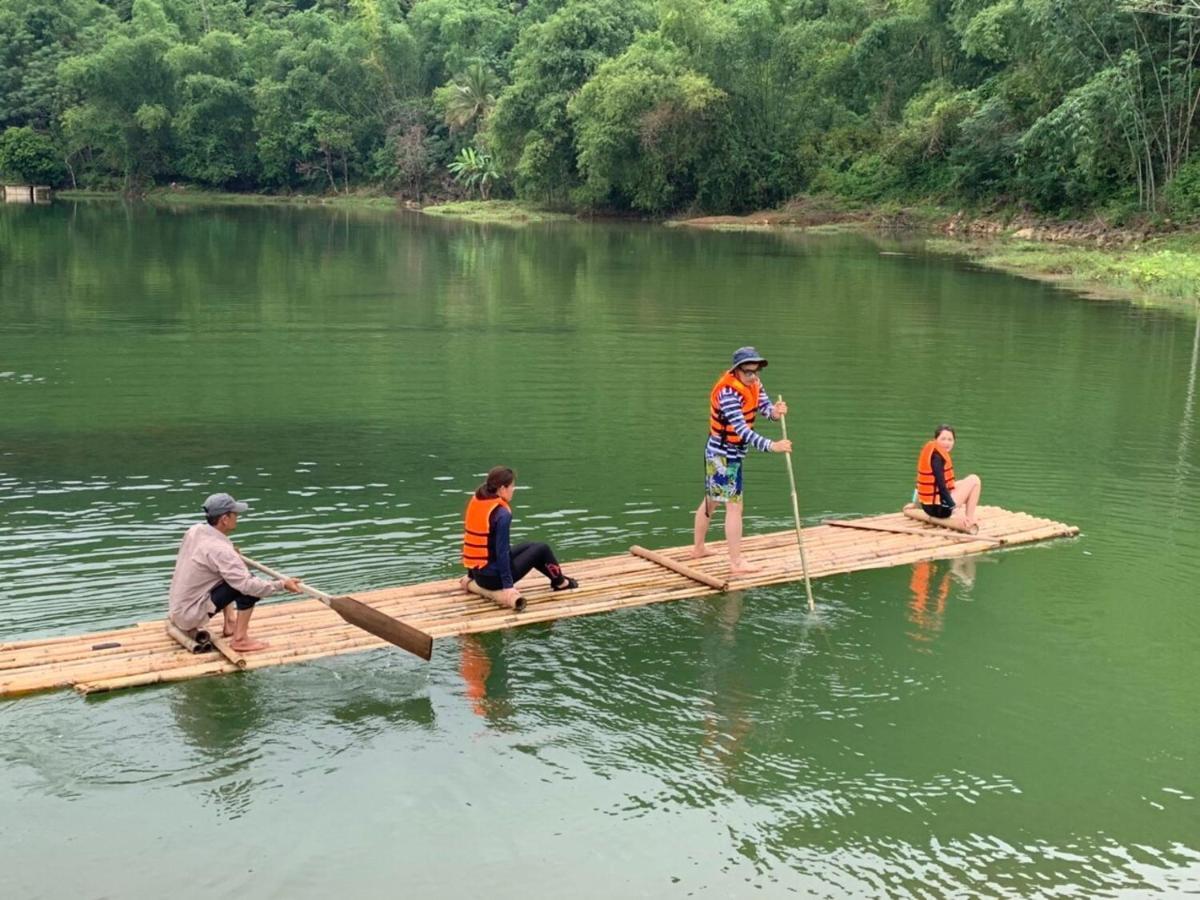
(219, 504)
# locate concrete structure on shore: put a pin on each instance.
(25, 193)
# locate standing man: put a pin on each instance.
(734, 403)
(210, 575)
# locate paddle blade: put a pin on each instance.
(384, 626)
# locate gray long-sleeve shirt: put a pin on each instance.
(206, 558)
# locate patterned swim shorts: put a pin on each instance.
(723, 479)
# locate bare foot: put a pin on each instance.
(227, 632)
(463, 582)
(742, 568)
(699, 554)
(248, 645)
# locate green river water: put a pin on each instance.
(1022, 727)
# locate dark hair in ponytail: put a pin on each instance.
(498, 477)
(944, 427)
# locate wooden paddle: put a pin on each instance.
(365, 617)
(796, 514)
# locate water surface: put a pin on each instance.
(1022, 723)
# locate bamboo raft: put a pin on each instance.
(303, 630)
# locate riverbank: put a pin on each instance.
(187, 195)
(1137, 264)
(1160, 271)
(508, 212)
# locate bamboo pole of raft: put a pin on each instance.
(796, 514)
(225, 648)
(915, 512)
(517, 605)
(952, 535)
(687, 571)
(188, 642)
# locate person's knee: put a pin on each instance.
(245, 601)
(540, 553)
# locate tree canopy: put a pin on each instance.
(653, 106)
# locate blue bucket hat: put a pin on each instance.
(743, 355)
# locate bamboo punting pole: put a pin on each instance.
(685, 571)
(796, 514)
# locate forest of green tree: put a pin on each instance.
(649, 106)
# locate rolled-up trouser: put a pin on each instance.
(222, 595)
(523, 559)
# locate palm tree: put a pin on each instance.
(475, 170)
(468, 99)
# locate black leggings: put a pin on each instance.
(222, 595)
(937, 511)
(524, 558)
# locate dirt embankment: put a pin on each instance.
(815, 212)
(1029, 228)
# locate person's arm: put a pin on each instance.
(235, 573)
(938, 464)
(765, 406)
(731, 408)
(501, 522)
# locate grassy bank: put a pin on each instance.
(508, 212)
(1162, 271)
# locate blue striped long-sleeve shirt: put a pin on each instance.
(731, 407)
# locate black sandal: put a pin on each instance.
(568, 583)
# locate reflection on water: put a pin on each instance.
(1040, 741)
(930, 588)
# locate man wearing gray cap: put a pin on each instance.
(735, 402)
(210, 575)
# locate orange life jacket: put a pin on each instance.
(927, 491)
(717, 426)
(476, 525)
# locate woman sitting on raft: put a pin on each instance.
(940, 496)
(490, 561)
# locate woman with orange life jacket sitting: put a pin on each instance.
(490, 561)
(940, 495)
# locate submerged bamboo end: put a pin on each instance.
(195, 641)
(494, 596)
